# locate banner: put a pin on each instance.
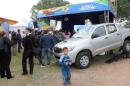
(94, 6)
(5, 26)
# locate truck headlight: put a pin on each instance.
(70, 48)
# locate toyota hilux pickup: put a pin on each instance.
(94, 40)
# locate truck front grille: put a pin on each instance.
(57, 50)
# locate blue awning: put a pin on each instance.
(78, 8)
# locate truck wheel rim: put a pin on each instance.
(84, 61)
(128, 47)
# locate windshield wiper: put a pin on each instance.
(78, 37)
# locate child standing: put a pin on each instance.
(65, 63)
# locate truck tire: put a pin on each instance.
(83, 60)
(126, 46)
(57, 57)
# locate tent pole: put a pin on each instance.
(108, 16)
(105, 16)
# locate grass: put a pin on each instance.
(48, 76)
(40, 77)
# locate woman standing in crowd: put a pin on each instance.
(5, 55)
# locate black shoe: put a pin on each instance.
(31, 73)
(24, 73)
(3, 76)
(10, 77)
(48, 63)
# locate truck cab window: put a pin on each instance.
(100, 31)
(111, 29)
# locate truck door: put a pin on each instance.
(99, 38)
(114, 36)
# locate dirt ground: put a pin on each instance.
(115, 74)
(98, 74)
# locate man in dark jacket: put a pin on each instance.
(46, 43)
(28, 51)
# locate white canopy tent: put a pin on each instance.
(20, 25)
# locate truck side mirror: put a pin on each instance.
(94, 36)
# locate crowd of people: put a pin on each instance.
(37, 44)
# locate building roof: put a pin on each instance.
(11, 22)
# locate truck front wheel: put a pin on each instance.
(83, 60)
(126, 46)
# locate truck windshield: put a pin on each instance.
(84, 33)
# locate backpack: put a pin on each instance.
(37, 41)
(19, 38)
(14, 38)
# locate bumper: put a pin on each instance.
(72, 55)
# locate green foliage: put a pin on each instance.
(45, 4)
(127, 25)
(123, 8)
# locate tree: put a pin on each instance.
(45, 4)
(123, 8)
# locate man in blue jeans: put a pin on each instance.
(46, 43)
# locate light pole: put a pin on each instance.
(116, 7)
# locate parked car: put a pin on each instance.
(92, 41)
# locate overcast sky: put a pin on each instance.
(20, 9)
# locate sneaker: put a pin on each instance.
(3, 76)
(65, 85)
(48, 64)
(10, 77)
(31, 73)
(43, 66)
(24, 73)
(69, 82)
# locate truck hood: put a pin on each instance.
(70, 42)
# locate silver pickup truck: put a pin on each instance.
(92, 41)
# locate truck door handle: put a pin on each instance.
(106, 37)
(118, 34)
